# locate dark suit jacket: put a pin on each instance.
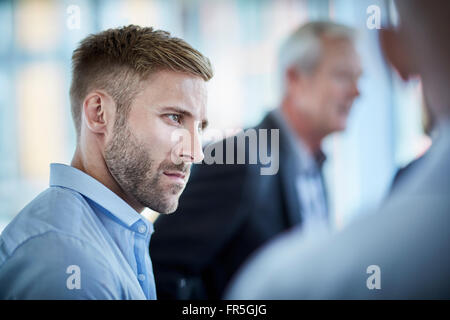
(225, 213)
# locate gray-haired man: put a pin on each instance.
(401, 252)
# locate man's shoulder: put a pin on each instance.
(49, 266)
(54, 198)
(57, 209)
(47, 244)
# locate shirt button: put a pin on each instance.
(142, 228)
(141, 277)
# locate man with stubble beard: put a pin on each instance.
(134, 90)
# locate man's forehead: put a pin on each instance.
(334, 45)
(341, 49)
(175, 89)
(178, 81)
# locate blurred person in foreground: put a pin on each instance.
(229, 210)
(84, 237)
(401, 252)
(430, 131)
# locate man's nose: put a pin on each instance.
(354, 89)
(192, 151)
(198, 150)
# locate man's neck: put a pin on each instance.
(303, 129)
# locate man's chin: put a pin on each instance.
(166, 208)
(167, 200)
(170, 211)
(340, 125)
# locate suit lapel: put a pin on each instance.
(286, 174)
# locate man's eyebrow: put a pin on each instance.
(185, 112)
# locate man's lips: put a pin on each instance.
(175, 175)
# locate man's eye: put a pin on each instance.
(175, 117)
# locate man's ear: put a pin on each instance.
(294, 78)
(396, 53)
(98, 111)
(292, 74)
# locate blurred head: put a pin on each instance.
(133, 88)
(419, 46)
(320, 70)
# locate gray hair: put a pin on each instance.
(302, 49)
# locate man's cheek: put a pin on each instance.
(160, 145)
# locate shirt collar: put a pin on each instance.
(69, 177)
(307, 161)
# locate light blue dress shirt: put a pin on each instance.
(76, 240)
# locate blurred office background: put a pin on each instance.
(241, 37)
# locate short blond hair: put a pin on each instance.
(117, 60)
